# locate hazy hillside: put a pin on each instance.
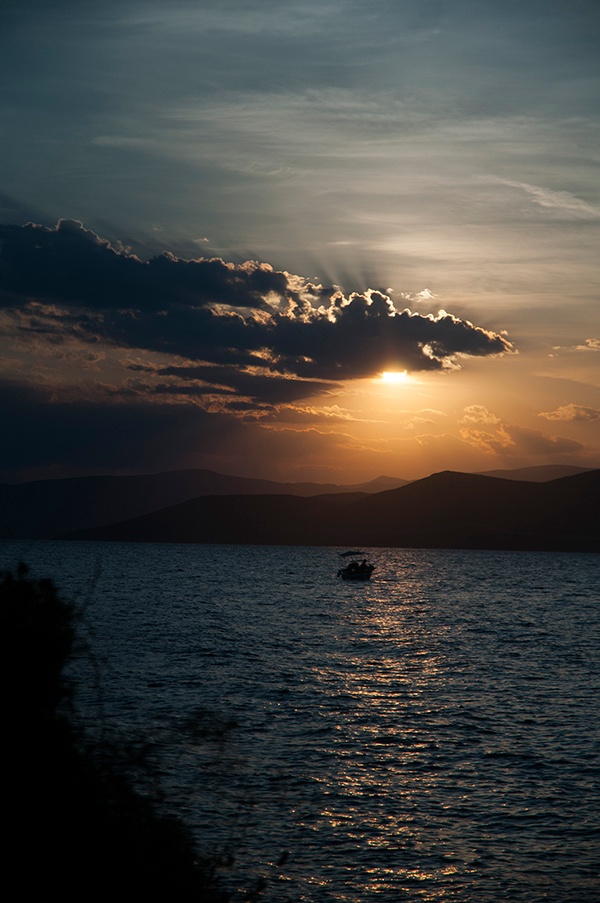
(46, 508)
(540, 474)
(446, 510)
(455, 510)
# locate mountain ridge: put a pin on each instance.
(445, 510)
(41, 509)
(540, 473)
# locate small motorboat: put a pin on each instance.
(355, 569)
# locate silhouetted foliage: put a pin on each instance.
(74, 826)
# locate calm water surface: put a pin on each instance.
(431, 735)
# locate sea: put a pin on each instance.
(429, 735)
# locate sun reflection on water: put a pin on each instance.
(386, 751)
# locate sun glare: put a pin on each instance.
(394, 377)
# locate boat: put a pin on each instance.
(355, 569)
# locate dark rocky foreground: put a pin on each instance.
(75, 827)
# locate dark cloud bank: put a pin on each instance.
(240, 335)
(220, 313)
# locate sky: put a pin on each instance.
(316, 240)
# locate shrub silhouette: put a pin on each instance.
(74, 827)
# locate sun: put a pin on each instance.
(394, 377)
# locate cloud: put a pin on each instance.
(571, 412)
(589, 345)
(477, 413)
(322, 415)
(531, 442)
(258, 386)
(496, 443)
(102, 435)
(70, 265)
(221, 314)
(511, 440)
(560, 201)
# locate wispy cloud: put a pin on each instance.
(562, 202)
(478, 413)
(589, 345)
(509, 439)
(571, 412)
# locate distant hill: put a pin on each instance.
(540, 474)
(46, 508)
(445, 510)
(456, 510)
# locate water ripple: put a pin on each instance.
(429, 736)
